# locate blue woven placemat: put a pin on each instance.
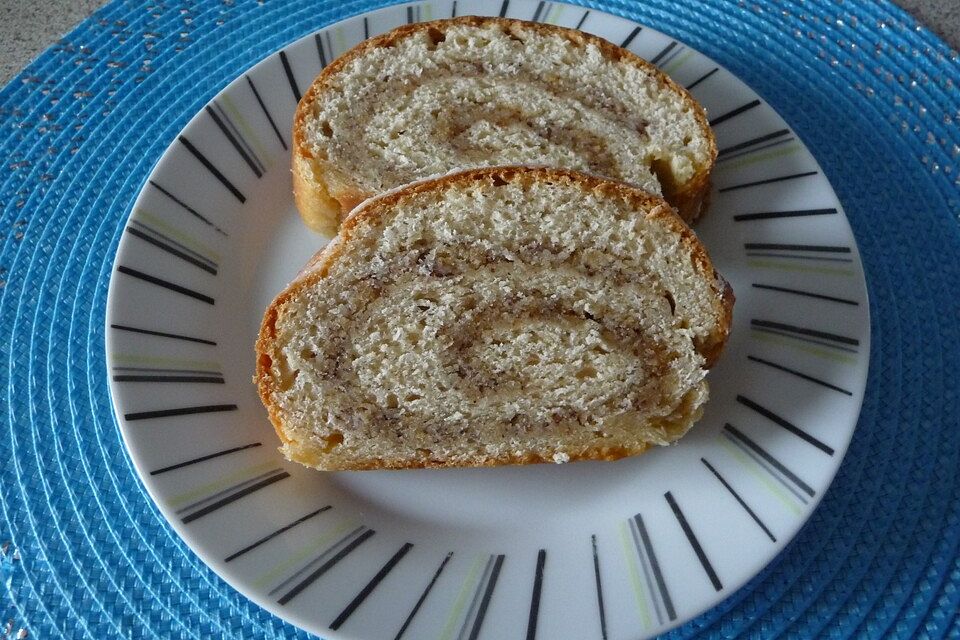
(86, 554)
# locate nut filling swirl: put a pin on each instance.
(526, 315)
(412, 130)
(427, 99)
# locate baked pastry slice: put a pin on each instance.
(430, 98)
(496, 316)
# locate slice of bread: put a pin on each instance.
(496, 316)
(427, 99)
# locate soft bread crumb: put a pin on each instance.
(491, 317)
(409, 104)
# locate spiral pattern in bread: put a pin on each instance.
(491, 317)
(430, 98)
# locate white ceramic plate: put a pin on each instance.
(589, 550)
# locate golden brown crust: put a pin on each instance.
(713, 347)
(319, 267)
(321, 214)
(692, 199)
(319, 210)
(607, 454)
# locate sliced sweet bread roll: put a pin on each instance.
(430, 98)
(496, 316)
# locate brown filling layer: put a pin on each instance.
(351, 402)
(449, 125)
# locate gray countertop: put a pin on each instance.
(27, 28)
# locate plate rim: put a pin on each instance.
(191, 540)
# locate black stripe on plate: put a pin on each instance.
(242, 485)
(161, 334)
(535, 597)
(212, 169)
(171, 250)
(503, 8)
(596, 574)
(161, 370)
(787, 256)
(370, 586)
(763, 464)
(189, 379)
(580, 24)
(670, 47)
(644, 564)
(209, 456)
(266, 482)
(488, 593)
(239, 136)
(310, 579)
(792, 428)
(758, 183)
(233, 141)
(536, 14)
(366, 32)
(140, 275)
(453, 11)
(325, 555)
(814, 333)
(289, 73)
(320, 53)
(173, 243)
(671, 57)
(753, 141)
(763, 147)
(326, 35)
(475, 601)
(213, 497)
(692, 539)
(182, 411)
(794, 336)
(739, 500)
(423, 597)
(808, 294)
(409, 15)
(633, 34)
(274, 534)
(273, 125)
(188, 208)
(766, 215)
(702, 78)
(655, 566)
(772, 246)
(807, 489)
(803, 376)
(729, 115)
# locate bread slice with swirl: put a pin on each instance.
(495, 316)
(430, 98)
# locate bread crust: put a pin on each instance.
(605, 454)
(314, 175)
(319, 267)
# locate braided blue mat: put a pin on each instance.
(86, 554)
